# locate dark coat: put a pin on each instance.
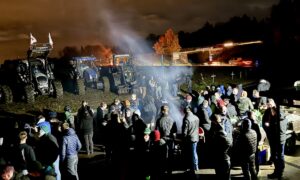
(23, 156)
(190, 127)
(205, 122)
(47, 150)
(166, 126)
(85, 120)
(220, 143)
(247, 143)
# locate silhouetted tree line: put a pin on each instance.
(279, 32)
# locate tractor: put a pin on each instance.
(121, 74)
(80, 72)
(25, 79)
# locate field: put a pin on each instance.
(201, 78)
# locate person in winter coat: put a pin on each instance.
(69, 118)
(47, 151)
(269, 120)
(256, 128)
(247, 144)
(86, 124)
(220, 147)
(149, 111)
(244, 104)
(277, 133)
(69, 151)
(168, 129)
(262, 87)
(24, 155)
(190, 131)
(136, 131)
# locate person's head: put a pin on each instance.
(246, 124)
(213, 87)
(133, 96)
(127, 103)
(262, 81)
(255, 93)
(188, 98)
(217, 118)
(40, 119)
(128, 113)
(165, 110)
(271, 103)
(137, 112)
(43, 129)
(235, 91)
(205, 103)
(7, 173)
(84, 103)
(244, 94)
(224, 110)
(68, 108)
(226, 101)
(156, 135)
(65, 126)
(217, 95)
(116, 101)
(23, 135)
(103, 105)
(147, 133)
(187, 109)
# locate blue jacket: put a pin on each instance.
(70, 144)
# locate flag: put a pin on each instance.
(32, 39)
(50, 40)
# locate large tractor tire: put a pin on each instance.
(58, 89)
(29, 94)
(106, 84)
(80, 87)
(6, 96)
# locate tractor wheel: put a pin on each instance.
(6, 96)
(29, 94)
(80, 87)
(58, 89)
(106, 84)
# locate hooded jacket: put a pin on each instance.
(70, 144)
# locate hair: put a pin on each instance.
(244, 94)
(164, 109)
(23, 135)
(271, 102)
(102, 104)
(205, 103)
(246, 124)
(40, 117)
(65, 125)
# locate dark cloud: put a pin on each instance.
(81, 22)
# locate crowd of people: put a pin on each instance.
(215, 121)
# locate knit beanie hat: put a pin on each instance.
(147, 131)
(156, 135)
(45, 128)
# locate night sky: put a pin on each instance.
(83, 22)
